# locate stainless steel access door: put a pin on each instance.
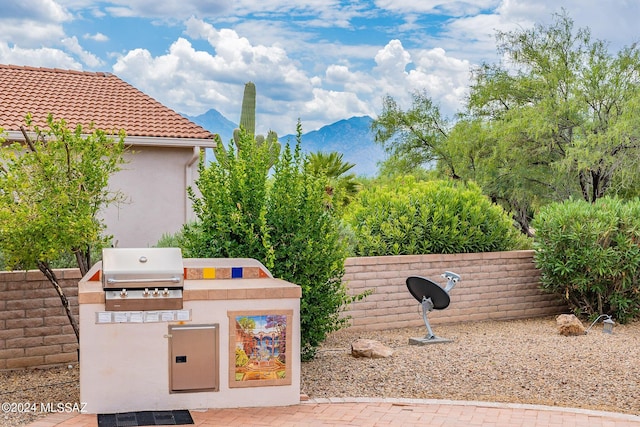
(193, 358)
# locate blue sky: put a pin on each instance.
(317, 60)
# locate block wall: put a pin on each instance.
(35, 331)
(34, 328)
(494, 286)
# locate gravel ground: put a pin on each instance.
(26, 395)
(522, 361)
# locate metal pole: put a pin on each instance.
(427, 306)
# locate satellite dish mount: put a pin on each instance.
(431, 296)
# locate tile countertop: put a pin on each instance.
(209, 279)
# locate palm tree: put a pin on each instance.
(341, 185)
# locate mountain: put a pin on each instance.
(215, 122)
(351, 137)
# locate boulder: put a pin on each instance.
(570, 325)
(370, 348)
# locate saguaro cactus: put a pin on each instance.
(248, 125)
(248, 112)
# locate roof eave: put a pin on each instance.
(169, 142)
(148, 141)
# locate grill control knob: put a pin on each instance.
(165, 293)
(156, 293)
(146, 292)
(123, 293)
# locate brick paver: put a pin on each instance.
(387, 413)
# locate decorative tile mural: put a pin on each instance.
(260, 348)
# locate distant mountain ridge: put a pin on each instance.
(351, 137)
(215, 122)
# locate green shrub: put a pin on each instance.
(308, 249)
(179, 239)
(589, 254)
(231, 206)
(65, 260)
(284, 223)
(168, 240)
(430, 217)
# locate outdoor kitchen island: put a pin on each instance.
(218, 333)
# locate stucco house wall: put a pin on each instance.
(165, 146)
(153, 182)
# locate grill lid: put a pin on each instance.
(142, 267)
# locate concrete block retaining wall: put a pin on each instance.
(494, 286)
(35, 331)
(34, 328)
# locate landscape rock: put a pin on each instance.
(370, 348)
(570, 325)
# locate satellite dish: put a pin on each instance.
(431, 296)
(422, 288)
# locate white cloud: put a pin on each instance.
(32, 24)
(445, 78)
(192, 81)
(97, 37)
(42, 57)
(165, 9)
(36, 10)
(332, 106)
(614, 22)
(453, 7)
(32, 33)
(338, 74)
(237, 59)
(29, 34)
(399, 73)
(392, 60)
(72, 45)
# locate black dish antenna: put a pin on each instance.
(431, 296)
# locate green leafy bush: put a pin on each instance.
(429, 217)
(284, 223)
(231, 206)
(66, 260)
(179, 240)
(589, 254)
(308, 249)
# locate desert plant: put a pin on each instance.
(248, 125)
(341, 186)
(589, 255)
(410, 217)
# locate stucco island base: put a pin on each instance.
(125, 357)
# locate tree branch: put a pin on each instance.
(28, 139)
(45, 268)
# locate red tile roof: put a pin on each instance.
(81, 97)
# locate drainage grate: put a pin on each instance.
(145, 418)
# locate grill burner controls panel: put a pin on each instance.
(146, 293)
(137, 299)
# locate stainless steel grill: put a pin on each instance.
(142, 278)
